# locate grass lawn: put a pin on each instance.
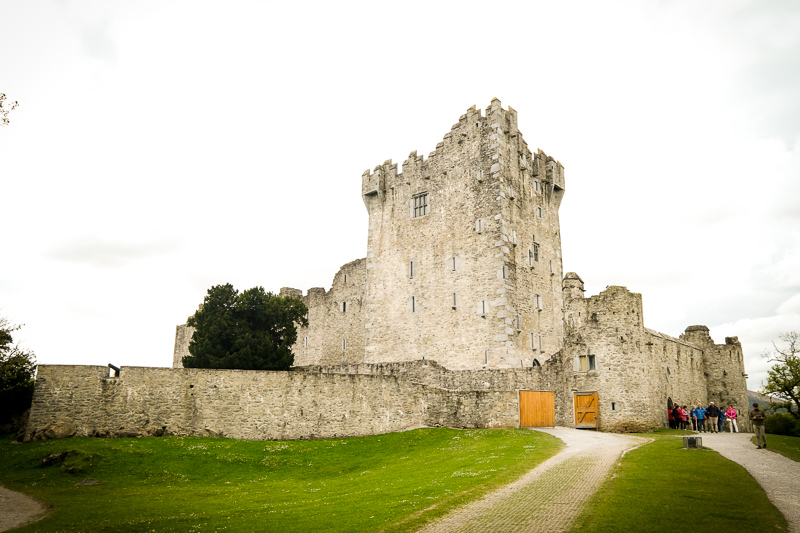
(661, 487)
(788, 446)
(392, 482)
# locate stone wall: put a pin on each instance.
(335, 332)
(256, 405)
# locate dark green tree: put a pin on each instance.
(254, 330)
(783, 379)
(17, 369)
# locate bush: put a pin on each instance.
(782, 424)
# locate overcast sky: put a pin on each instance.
(163, 147)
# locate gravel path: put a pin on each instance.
(549, 497)
(16, 509)
(779, 475)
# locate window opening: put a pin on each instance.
(541, 344)
(305, 342)
(455, 300)
(539, 211)
(538, 301)
(535, 362)
(412, 269)
(420, 205)
(479, 227)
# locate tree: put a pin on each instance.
(5, 109)
(783, 379)
(17, 368)
(254, 330)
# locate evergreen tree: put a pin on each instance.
(254, 330)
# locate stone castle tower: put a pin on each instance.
(464, 252)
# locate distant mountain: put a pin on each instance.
(761, 400)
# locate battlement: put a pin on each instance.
(496, 132)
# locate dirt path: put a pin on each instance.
(779, 475)
(16, 509)
(549, 497)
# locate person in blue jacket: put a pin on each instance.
(701, 418)
(721, 423)
(693, 418)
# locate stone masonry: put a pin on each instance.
(460, 304)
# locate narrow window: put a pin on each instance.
(583, 364)
(536, 252)
(412, 269)
(452, 264)
(535, 362)
(344, 344)
(505, 272)
(537, 298)
(536, 185)
(511, 191)
(455, 300)
(541, 344)
(613, 406)
(413, 304)
(516, 322)
(479, 175)
(479, 225)
(539, 211)
(514, 237)
(344, 307)
(482, 308)
(591, 362)
(533, 341)
(420, 205)
(305, 342)
(486, 357)
(530, 257)
(345, 278)
(552, 272)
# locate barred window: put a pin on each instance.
(420, 202)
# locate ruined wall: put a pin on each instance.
(253, 404)
(183, 335)
(454, 282)
(335, 332)
(637, 370)
(723, 365)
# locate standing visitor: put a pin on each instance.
(693, 414)
(701, 417)
(721, 424)
(684, 418)
(758, 416)
(713, 416)
(731, 415)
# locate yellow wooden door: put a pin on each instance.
(586, 409)
(537, 409)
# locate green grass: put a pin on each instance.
(788, 446)
(392, 482)
(661, 487)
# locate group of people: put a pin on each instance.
(714, 420)
(702, 419)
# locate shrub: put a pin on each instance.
(782, 424)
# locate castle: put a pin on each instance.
(459, 315)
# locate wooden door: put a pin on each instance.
(537, 409)
(586, 410)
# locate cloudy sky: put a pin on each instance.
(163, 147)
